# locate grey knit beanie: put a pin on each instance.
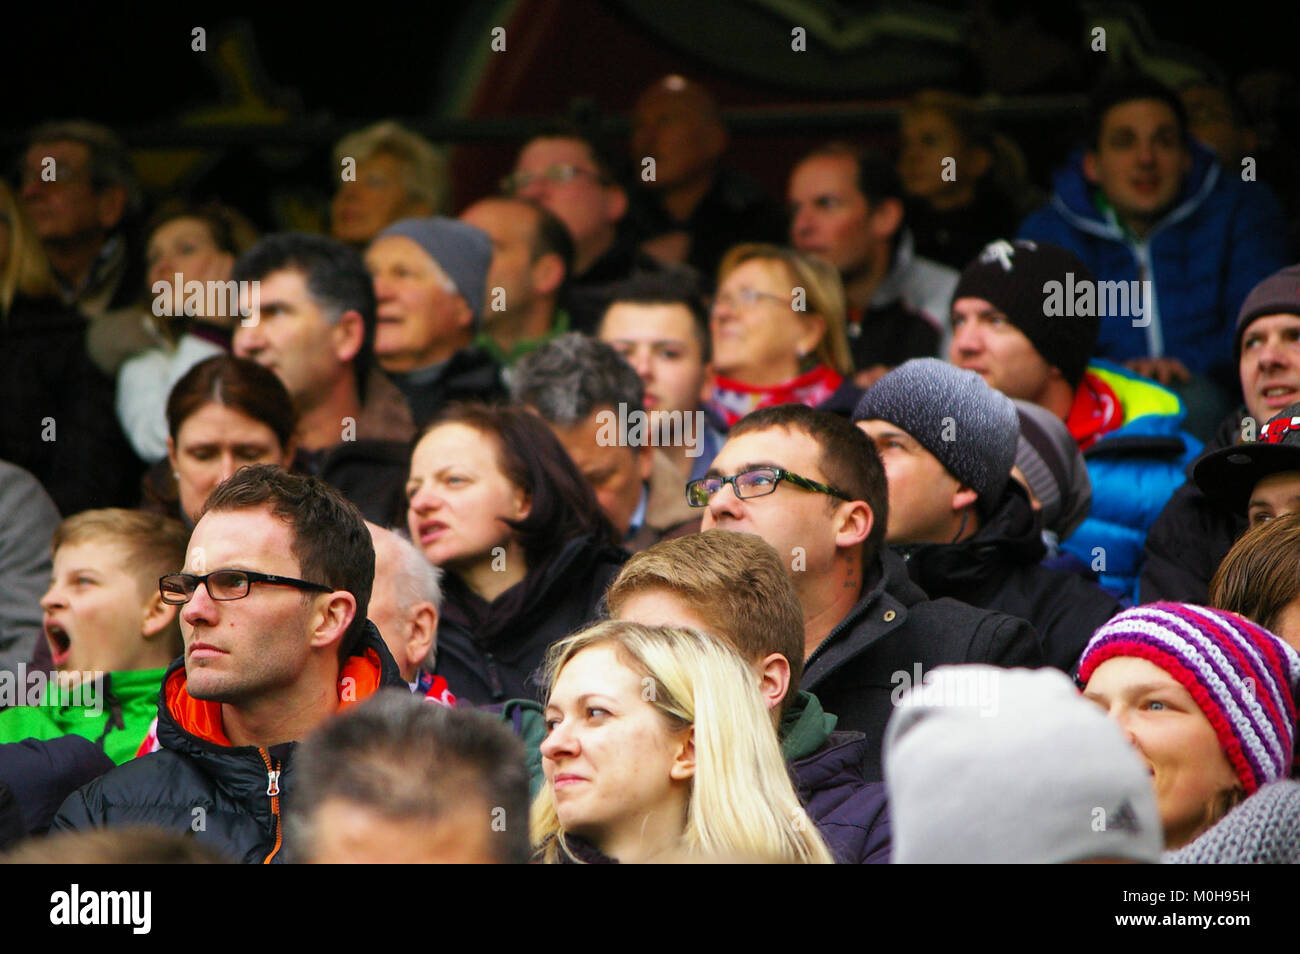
(461, 250)
(987, 765)
(1048, 456)
(969, 427)
(1263, 830)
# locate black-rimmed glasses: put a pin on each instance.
(178, 588)
(758, 482)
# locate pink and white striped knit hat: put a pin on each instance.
(1243, 677)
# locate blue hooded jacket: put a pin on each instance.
(1221, 237)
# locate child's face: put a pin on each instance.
(94, 610)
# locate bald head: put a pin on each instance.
(405, 600)
(678, 123)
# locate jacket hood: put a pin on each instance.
(189, 724)
(1072, 193)
(1009, 537)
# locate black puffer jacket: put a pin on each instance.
(998, 569)
(487, 652)
(1192, 535)
(893, 632)
(231, 797)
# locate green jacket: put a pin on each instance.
(114, 712)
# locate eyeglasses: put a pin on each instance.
(178, 588)
(566, 172)
(758, 482)
(748, 297)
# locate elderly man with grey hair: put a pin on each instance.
(404, 607)
(592, 399)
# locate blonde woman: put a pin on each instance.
(659, 746)
(24, 269)
(777, 329)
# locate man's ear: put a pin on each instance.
(110, 206)
(547, 274)
(773, 679)
(349, 333)
(856, 521)
(615, 204)
(963, 497)
(683, 767)
(423, 618)
(335, 615)
(645, 461)
(158, 616)
(1090, 167)
(886, 218)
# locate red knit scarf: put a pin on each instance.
(732, 400)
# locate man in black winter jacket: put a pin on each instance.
(964, 527)
(279, 572)
(811, 484)
(1194, 532)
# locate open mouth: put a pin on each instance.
(60, 643)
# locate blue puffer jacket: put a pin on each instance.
(1134, 471)
(1220, 239)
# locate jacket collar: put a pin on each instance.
(887, 592)
(195, 725)
(805, 727)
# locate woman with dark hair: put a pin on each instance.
(223, 414)
(190, 257)
(497, 503)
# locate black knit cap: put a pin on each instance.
(1012, 277)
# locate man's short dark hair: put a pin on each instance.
(336, 279)
(402, 757)
(571, 377)
(848, 458)
(330, 539)
(877, 179)
(1125, 89)
(110, 163)
(609, 162)
(680, 285)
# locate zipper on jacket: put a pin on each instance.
(273, 791)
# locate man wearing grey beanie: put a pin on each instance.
(966, 529)
(431, 287)
(995, 766)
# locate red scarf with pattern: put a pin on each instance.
(732, 400)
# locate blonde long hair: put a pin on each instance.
(742, 805)
(27, 270)
(822, 285)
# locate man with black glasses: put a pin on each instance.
(274, 597)
(812, 485)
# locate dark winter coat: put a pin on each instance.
(230, 796)
(488, 652)
(370, 473)
(826, 768)
(37, 775)
(1192, 535)
(471, 374)
(999, 569)
(892, 637)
